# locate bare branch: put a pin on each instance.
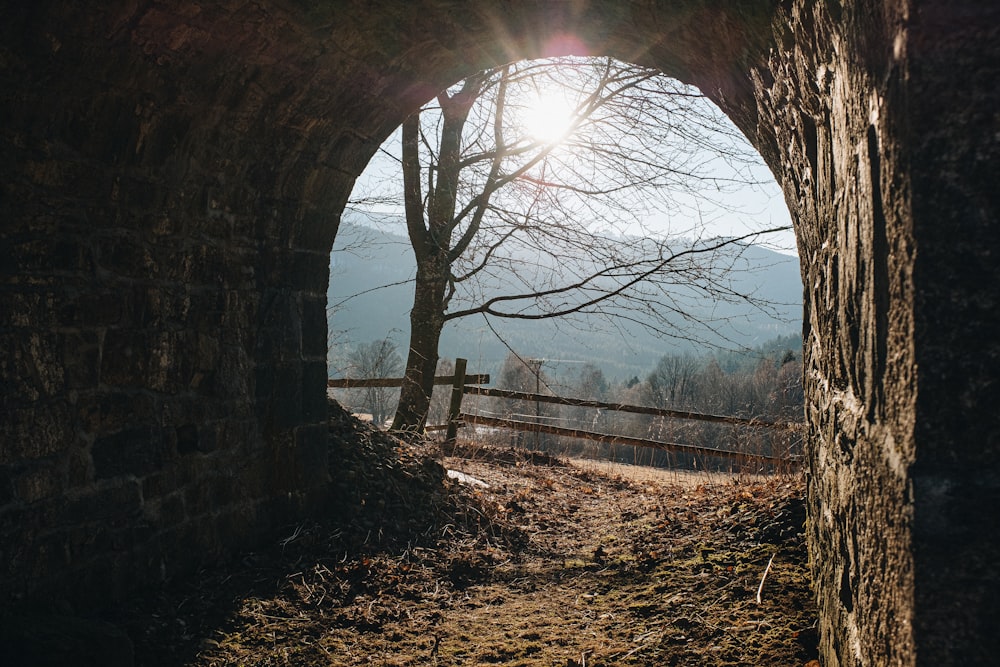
(589, 281)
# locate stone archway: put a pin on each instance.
(173, 173)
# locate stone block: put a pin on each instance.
(79, 467)
(6, 485)
(284, 412)
(314, 402)
(125, 357)
(167, 512)
(239, 310)
(317, 229)
(231, 378)
(99, 309)
(7, 272)
(205, 265)
(264, 380)
(135, 451)
(206, 350)
(312, 453)
(35, 432)
(314, 326)
(285, 406)
(82, 543)
(164, 481)
(238, 524)
(208, 437)
(31, 309)
(45, 555)
(187, 439)
(111, 411)
(101, 579)
(81, 359)
(33, 367)
(37, 483)
(127, 258)
(110, 501)
(169, 362)
(149, 307)
(239, 436)
(279, 336)
(199, 498)
(44, 256)
(309, 272)
(203, 309)
(162, 138)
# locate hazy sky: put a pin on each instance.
(752, 207)
(760, 206)
(736, 210)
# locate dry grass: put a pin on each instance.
(552, 564)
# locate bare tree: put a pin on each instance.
(590, 385)
(526, 375)
(672, 382)
(486, 199)
(377, 359)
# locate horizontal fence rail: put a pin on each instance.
(639, 409)
(609, 439)
(354, 383)
(465, 384)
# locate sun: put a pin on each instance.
(548, 118)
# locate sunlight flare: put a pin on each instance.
(548, 118)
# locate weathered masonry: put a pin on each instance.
(172, 177)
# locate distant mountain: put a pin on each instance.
(366, 258)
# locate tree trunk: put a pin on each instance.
(426, 323)
(431, 241)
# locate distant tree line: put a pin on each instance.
(765, 384)
(375, 359)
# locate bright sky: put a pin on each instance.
(737, 212)
(760, 206)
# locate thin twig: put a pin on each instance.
(766, 570)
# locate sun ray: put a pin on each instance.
(548, 118)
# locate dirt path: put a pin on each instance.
(550, 564)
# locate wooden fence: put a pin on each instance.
(463, 384)
(458, 381)
(610, 439)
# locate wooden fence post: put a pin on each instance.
(457, 389)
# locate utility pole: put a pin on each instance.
(536, 366)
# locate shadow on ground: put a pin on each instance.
(547, 564)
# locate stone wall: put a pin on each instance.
(835, 92)
(163, 272)
(172, 178)
(886, 129)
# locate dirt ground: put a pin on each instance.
(533, 561)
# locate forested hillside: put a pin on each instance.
(371, 288)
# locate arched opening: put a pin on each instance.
(649, 205)
(503, 616)
(802, 131)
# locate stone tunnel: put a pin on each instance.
(172, 179)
